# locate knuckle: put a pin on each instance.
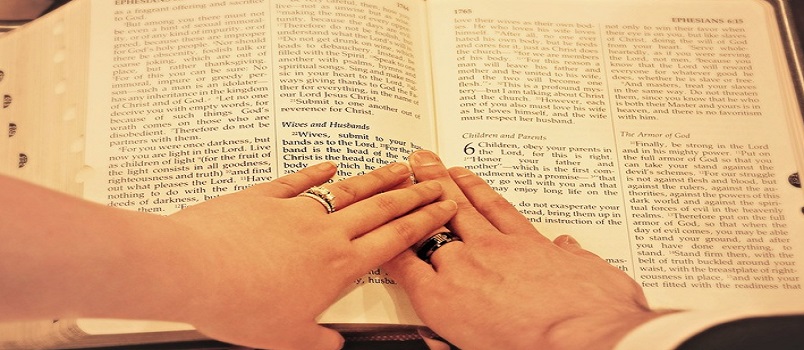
(405, 231)
(285, 186)
(376, 177)
(471, 181)
(289, 185)
(464, 204)
(496, 202)
(496, 243)
(433, 214)
(423, 191)
(341, 259)
(348, 191)
(305, 175)
(387, 204)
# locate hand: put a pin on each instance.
(506, 286)
(278, 260)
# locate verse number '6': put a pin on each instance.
(469, 149)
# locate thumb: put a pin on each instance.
(410, 272)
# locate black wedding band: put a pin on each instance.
(432, 244)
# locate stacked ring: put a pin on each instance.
(432, 244)
(323, 196)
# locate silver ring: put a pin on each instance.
(322, 195)
(432, 244)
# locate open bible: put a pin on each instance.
(666, 136)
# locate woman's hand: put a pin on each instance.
(254, 268)
(278, 260)
(506, 286)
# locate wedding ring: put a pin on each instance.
(432, 244)
(323, 196)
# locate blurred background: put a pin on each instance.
(25, 10)
(14, 12)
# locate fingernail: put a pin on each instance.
(424, 158)
(448, 205)
(326, 166)
(399, 168)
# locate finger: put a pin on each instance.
(501, 213)
(389, 240)
(467, 222)
(357, 188)
(373, 212)
(410, 181)
(446, 255)
(410, 272)
(438, 256)
(293, 184)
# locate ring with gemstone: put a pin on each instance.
(323, 196)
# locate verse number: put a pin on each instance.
(469, 149)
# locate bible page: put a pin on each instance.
(192, 100)
(658, 133)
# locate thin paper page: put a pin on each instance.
(195, 100)
(653, 131)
